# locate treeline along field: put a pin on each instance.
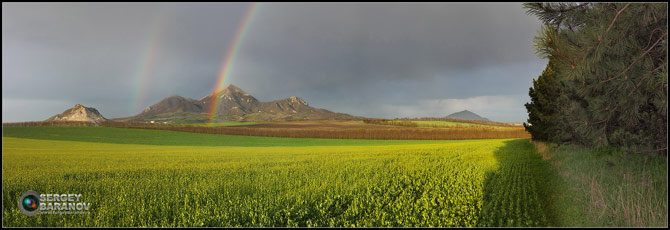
(408, 183)
(329, 129)
(606, 83)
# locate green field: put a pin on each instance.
(162, 178)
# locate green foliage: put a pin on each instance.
(611, 64)
(442, 184)
(543, 106)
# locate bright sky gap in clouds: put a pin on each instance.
(369, 59)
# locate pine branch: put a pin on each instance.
(555, 11)
(650, 74)
(599, 122)
(651, 36)
(637, 86)
(639, 83)
(615, 17)
(560, 54)
(567, 9)
(552, 14)
(600, 38)
(634, 61)
(659, 67)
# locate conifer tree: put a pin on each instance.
(613, 71)
(542, 109)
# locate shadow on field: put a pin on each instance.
(520, 191)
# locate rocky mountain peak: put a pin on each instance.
(79, 113)
(294, 99)
(232, 87)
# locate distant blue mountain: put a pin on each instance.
(466, 115)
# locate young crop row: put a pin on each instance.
(513, 191)
(513, 197)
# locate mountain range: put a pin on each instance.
(233, 104)
(230, 104)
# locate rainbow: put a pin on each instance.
(230, 58)
(147, 58)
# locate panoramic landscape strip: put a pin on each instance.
(419, 115)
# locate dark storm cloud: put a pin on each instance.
(356, 58)
(372, 59)
(390, 41)
(91, 53)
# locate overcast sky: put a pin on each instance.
(375, 59)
